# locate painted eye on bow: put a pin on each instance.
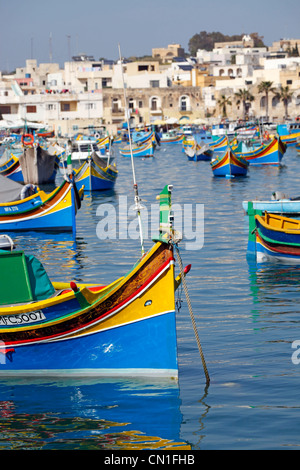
(148, 302)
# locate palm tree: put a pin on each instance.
(223, 102)
(266, 87)
(245, 97)
(284, 94)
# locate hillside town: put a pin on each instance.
(235, 81)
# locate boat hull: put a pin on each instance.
(12, 170)
(270, 154)
(273, 238)
(282, 206)
(229, 165)
(94, 177)
(145, 150)
(127, 328)
(54, 213)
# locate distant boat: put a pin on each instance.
(219, 145)
(38, 165)
(171, 138)
(197, 153)
(81, 149)
(96, 174)
(12, 169)
(267, 154)
(143, 150)
(289, 134)
(229, 165)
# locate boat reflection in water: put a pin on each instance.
(118, 414)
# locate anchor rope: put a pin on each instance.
(191, 314)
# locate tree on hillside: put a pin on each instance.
(266, 87)
(223, 102)
(245, 97)
(206, 41)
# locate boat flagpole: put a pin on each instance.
(137, 199)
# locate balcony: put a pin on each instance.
(155, 111)
(185, 109)
(117, 111)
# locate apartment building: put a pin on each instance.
(87, 92)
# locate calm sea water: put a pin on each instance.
(247, 318)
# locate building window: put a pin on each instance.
(140, 104)
(65, 106)
(90, 106)
(275, 101)
(5, 110)
(51, 107)
(289, 82)
(154, 83)
(154, 104)
(31, 109)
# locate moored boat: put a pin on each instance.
(95, 174)
(267, 154)
(26, 208)
(126, 328)
(273, 237)
(219, 145)
(171, 138)
(143, 150)
(38, 165)
(197, 153)
(278, 204)
(12, 169)
(229, 165)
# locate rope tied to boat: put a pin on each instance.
(184, 284)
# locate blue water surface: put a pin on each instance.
(247, 318)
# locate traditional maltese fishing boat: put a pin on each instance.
(125, 328)
(229, 165)
(25, 208)
(273, 237)
(96, 174)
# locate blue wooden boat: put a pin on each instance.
(25, 208)
(198, 153)
(126, 328)
(273, 237)
(289, 134)
(12, 169)
(229, 165)
(143, 150)
(95, 174)
(171, 138)
(267, 154)
(220, 145)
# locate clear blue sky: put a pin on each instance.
(95, 27)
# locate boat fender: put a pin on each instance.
(28, 191)
(27, 142)
(97, 135)
(187, 269)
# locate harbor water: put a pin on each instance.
(247, 317)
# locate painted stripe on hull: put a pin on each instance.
(139, 348)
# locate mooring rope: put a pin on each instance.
(191, 314)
